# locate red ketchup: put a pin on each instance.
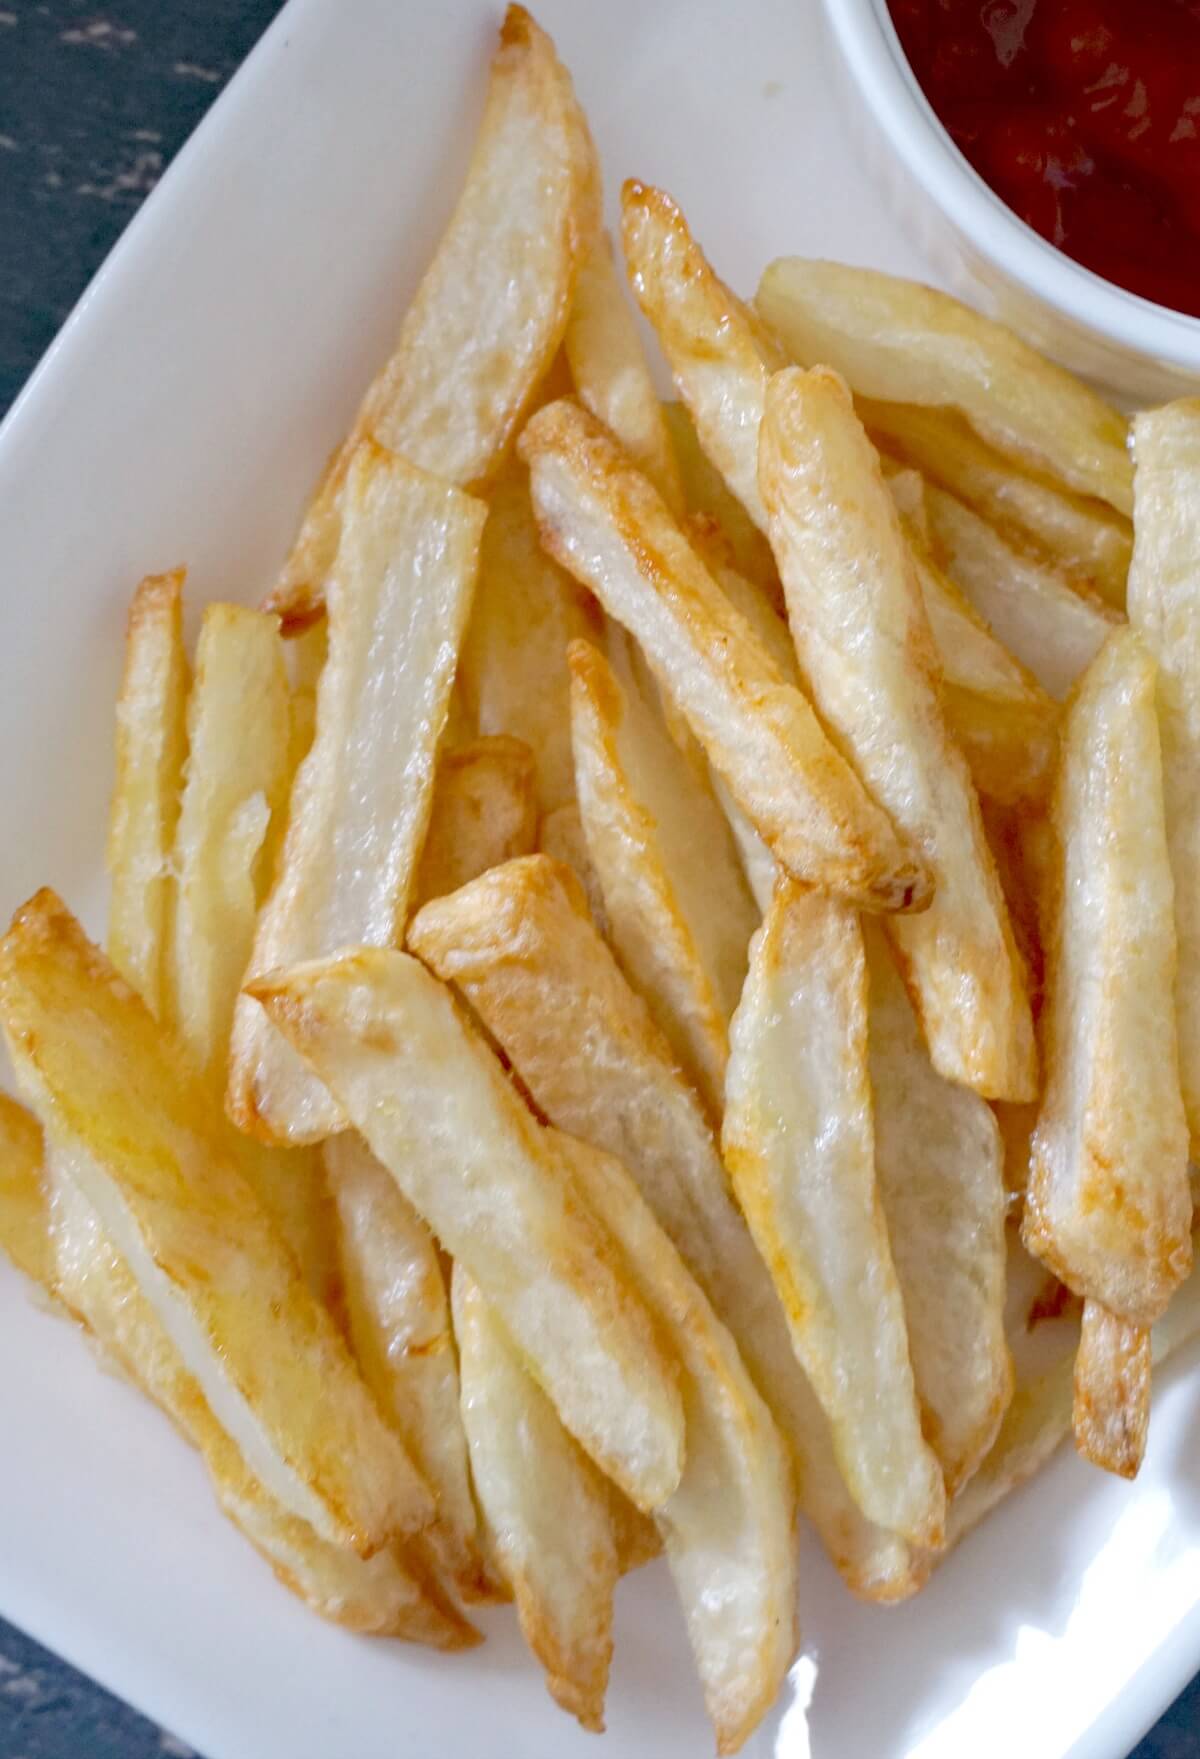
(1084, 116)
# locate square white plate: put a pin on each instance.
(182, 415)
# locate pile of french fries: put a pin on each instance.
(662, 954)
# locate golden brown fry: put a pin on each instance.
(492, 309)
(114, 1093)
(484, 812)
(900, 342)
(398, 604)
(512, 674)
(610, 373)
(799, 1144)
(24, 1223)
(601, 518)
(151, 746)
(438, 1111)
(547, 1509)
(560, 835)
(858, 621)
(705, 494)
(1108, 1209)
(1112, 1391)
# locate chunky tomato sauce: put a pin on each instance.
(1084, 115)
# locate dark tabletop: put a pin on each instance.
(93, 103)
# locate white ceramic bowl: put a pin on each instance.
(1139, 351)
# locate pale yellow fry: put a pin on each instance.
(560, 835)
(520, 947)
(680, 926)
(1111, 1413)
(858, 621)
(24, 1235)
(546, 1507)
(492, 309)
(484, 812)
(399, 598)
(435, 1107)
(1109, 1210)
(389, 1594)
(704, 493)
(612, 379)
(900, 342)
(602, 519)
(150, 749)
(729, 1528)
(512, 674)
(1084, 537)
(1042, 620)
(234, 786)
(114, 1093)
(907, 489)
(799, 1143)
(1164, 606)
(938, 1161)
(398, 1318)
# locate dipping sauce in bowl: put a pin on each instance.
(1084, 117)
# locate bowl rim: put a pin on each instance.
(867, 39)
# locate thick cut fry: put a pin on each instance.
(398, 1318)
(546, 1507)
(1112, 1391)
(484, 812)
(560, 835)
(938, 1160)
(1108, 1209)
(858, 621)
(389, 1594)
(398, 603)
(729, 1528)
(719, 351)
(520, 947)
(899, 342)
(1048, 625)
(235, 785)
(113, 1092)
(1083, 537)
(603, 520)
(705, 494)
(611, 377)
(680, 926)
(492, 309)
(513, 671)
(1164, 606)
(438, 1111)
(151, 745)
(799, 1144)
(24, 1225)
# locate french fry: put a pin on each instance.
(601, 518)
(1112, 1391)
(435, 1107)
(546, 1507)
(799, 1144)
(609, 370)
(1109, 1210)
(898, 342)
(484, 812)
(1164, 606)
(151, 746)
(389, 1594)
(729, 1527)
(1046, 624)
(1083, 537)
(116, 1095)
(398, 1320)
(858, 621)
(680, 927)
(399, 598)
(560, 835)
(492, 309)
(24, 1225)
(938, 1162)
(306, 654)
(705, 494)
(513, 670)
(519, 946)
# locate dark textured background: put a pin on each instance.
(93, 103)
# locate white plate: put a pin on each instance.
(181, 416)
